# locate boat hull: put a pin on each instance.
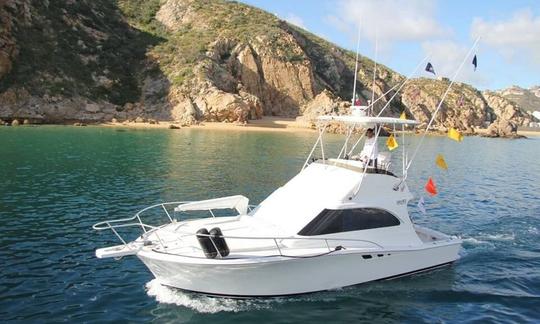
(292, 276)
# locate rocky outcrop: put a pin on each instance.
(506, 109)
(502, 128)
(325, 103)
(509, 116)
(528, 100)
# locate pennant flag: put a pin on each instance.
(391, 143)
(357, 100)
(403, 116)
(430, 187)
(475, 62)
(441, 163)
(430, 68)
(421, 205)
(455, 135)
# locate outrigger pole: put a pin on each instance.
(439, 107)
(403, 84)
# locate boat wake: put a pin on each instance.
(202, 303)
(487, 238)
(474, 241)
(498, 237)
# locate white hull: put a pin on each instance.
(279, 276)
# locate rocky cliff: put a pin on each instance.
(194, 60)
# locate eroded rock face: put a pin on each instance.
(325, 103)
(281, 87)
(506, 110)
(464, 107)
(508, 116)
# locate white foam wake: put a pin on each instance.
(499, 237)
(473, 241)
(201, 303)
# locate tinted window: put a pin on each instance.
(345, 220)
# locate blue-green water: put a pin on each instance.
(55, 182)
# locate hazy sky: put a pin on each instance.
(508, 51)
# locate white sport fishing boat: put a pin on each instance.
(339, 222)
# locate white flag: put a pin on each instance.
(421, 205)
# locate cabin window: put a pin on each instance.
(331, 221)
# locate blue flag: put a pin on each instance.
(475, 62)
(430, 68)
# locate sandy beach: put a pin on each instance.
(266, 124)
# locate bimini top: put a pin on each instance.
(367, 121)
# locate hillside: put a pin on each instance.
(190, 60)
(527, 99)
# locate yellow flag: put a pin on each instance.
(403, 115)
(391, 143)
(455, 135)
(441, 163)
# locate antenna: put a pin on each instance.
(356, 64)
(374, 70)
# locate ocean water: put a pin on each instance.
(56, 182)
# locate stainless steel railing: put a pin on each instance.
(136, 221)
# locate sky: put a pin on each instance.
(406, 31)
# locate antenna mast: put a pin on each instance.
(374, 71)
(356, 64)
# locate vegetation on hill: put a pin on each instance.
(79, 48)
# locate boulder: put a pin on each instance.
(140, 120)
(219, 106)
(15, 122)
(503, 128)
(325, 103)
(172, 126)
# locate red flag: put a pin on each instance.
(430, 187)
(357, 100)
